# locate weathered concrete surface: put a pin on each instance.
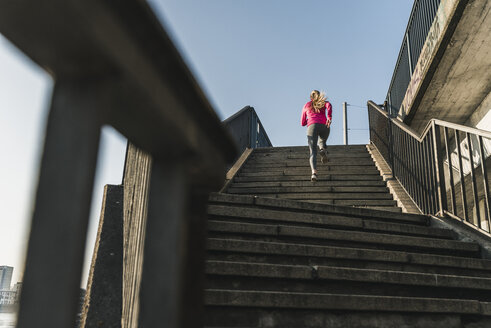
(136, 183)
(460, 85)
(103, 301)
(400, 195)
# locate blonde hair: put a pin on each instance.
(318, 100)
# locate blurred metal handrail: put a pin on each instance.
(113, 63)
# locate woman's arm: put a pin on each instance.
(329, 113)
(303, 119)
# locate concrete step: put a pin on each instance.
(306, 178)
(308, 189)
(255, 214)
(293, 149)
(302, 155)
(364, 203)
(341, 280)
(237, 250)
(317, 185)
(392, 208)
(331, 195)
(231, 316)
(354, 239)
(336, 161)
(269, 299)
(292, 205)
(307, 172)
(322, 168)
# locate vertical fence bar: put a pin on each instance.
(473, 179)
(434, 188)
(418, 173)
(397, 147)
(395, 168)
(390, 145)
(59, 223)
(429, 162)
(439, 173)
(402, 146)
(423, 204)
(462, 180)
(165, 241)
(487, 213)
(450, 172)
(407, 161)
(426, 172)
(412, 166)
(417, 197)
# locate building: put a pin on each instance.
(17, 289)
(5, 277)
(8, 297)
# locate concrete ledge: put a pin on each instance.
(465, 232)
(232, 172)
(396, 189)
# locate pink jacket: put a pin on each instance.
(311, 117)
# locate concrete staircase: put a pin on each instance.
(279, 262)
(350, 177)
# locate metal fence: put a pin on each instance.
(420, 21)
(247, 130)
(444, 170)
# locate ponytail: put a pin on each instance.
(318, 100)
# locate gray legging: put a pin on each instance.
(316, 131)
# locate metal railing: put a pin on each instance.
(444, 169)
(420, 21)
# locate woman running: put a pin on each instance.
(318, 127)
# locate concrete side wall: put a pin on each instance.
(102, 306)
(136, 184)
(455, 85)
(481, 117)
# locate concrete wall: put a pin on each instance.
(452, 80)
(136, 184)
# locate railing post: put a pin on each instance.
(390, 145)
(473, 179)
(439, 174)
(485, 183)
(345, 123)
(461, 176)
(51, 288)
(450, 172)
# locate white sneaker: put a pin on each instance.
(313, 178)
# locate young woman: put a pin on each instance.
(318, 127)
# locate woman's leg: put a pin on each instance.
(312, 139)
(323, 135)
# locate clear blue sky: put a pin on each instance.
(268, 54)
